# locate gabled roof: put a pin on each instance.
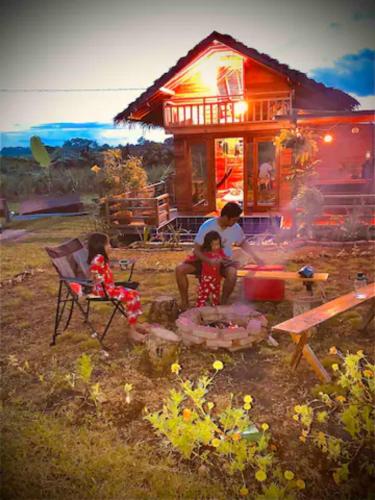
(339, 99)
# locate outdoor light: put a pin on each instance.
(355, 130)
(240, 107)
(328, 138)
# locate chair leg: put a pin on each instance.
(70, 314)
(58, 314)
(115, 309)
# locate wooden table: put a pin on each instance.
(280, 275)
(299, 326)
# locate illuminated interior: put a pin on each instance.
(217, 73)
(229, 171)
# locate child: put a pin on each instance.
(210, 279)
(101, 274)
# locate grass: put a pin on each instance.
(57, 445)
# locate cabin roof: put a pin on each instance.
(337, 98)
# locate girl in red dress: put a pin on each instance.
(104, 285)
(210, 279)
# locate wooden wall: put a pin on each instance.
(344, 156)
(258, 78)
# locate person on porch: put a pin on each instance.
(231, 234)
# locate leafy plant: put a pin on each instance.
(349, 415)
(39, 152)
(304, 146)
(224, 440)
(123, 175)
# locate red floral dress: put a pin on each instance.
(102, 275)
(210, 280)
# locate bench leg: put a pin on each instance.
(310, 357)
(369, 316)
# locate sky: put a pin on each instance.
(121, 44)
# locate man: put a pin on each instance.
(231, 233)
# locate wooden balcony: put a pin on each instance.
(225, 110)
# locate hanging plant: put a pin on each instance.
(304, 145)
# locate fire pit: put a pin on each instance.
(233, 327)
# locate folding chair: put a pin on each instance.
(70, 262)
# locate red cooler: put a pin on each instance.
(264, 289)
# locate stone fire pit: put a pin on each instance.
(233, 327)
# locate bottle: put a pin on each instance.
(359, 282)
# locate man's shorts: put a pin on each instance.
(197, 264)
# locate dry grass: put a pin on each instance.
(54, 448)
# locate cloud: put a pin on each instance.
(351, 73)
(363, 15)
(334, 25)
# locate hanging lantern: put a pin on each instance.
(328, 138)
(240, 108)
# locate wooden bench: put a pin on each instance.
(125, 214)
(299, 326)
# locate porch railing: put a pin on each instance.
(224, 110)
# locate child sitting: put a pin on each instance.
(210, 279)
(104, 285)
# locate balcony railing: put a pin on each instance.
(224, 110)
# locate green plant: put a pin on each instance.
(224, 440)
(304, 145)
(123, 175)
(341, 424)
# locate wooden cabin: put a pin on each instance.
(224, 103)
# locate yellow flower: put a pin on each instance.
(289, 475)
(210, 405)
(186, 415)
(95, 169)
(265, 427)
(333, 350)
(236, 436)
(368, 373)
(296, 418)
(244, 491)
(260, 475)
(248, 399)
(335, 367)
(360, 353)
(215, 442)
(300, 483)
(218, 365)
(340, 399)
(302, 439)
(247, 406)
(175, 368)
(304, 433)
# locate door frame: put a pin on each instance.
(255, 140)
(210, 167)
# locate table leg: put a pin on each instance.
(312, 359)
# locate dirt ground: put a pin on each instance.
(31, 368)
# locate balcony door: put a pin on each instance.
(261, 175)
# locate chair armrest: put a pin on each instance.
(80, 281)
(128, 284)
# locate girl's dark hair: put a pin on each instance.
(209, 238)
(96, 245)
